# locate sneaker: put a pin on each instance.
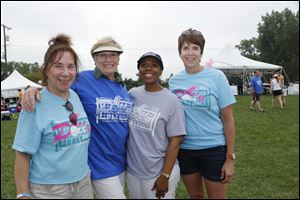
(252, 109)
(261, 110)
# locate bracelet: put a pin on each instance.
(23, 195)
(166, 175)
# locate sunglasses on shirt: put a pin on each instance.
(72, 117)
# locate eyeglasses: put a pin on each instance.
(112, 55)
(73, 117)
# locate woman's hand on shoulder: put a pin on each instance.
(30, 96)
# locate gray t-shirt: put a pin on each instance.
(156, 116)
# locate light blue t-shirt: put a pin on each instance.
(59, 149)
(203, 95)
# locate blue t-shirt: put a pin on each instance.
(203, 95)
(256, 83)
(108, 108)
(59, 150)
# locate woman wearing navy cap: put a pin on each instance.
(156, 132)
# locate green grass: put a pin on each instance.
(267, 148)
(8, 129)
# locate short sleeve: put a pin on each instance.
(28, 136)
(176, 122)
(226, 96)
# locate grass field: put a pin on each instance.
(267, 148)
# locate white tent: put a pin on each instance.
(15, 81)
(229, 58)
(231, 62)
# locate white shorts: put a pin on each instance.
(110, 188)
(78, 190)
(141, 188)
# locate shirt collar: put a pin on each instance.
(98, 74)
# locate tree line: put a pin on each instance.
(277, 42)
(33, 73)
(29, 70)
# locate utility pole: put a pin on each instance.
(5, 39)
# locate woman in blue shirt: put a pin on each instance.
(108, 106)
(207, 152)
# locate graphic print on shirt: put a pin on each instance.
(64, 138)
(257, 82)
(194, 96)
(113, 110)
(144, 117)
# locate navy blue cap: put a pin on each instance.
(151, 55)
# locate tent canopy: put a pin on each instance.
(229, 58)
(13, 82)
(231, 62)
(17, 81)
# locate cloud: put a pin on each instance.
(137, 26)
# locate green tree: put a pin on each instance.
(5, 70)
(130, 83)
(277, 42)
(29, 70)
(248, 49)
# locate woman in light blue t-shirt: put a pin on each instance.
(51, 143)
(207, 152)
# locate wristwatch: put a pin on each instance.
(231, 156)
(166, 175)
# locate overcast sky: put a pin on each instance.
(138, 26)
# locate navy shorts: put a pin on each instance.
(208, 162)
(277, 92)
(256, 97)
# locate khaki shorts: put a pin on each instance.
(78, 190)
(110, 188)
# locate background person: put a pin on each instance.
(207, 152)
(276, 91)
(156, 132)
(257, 90)
(282, 85)
(240, 86)
(108, 107)
(4, 106)
(20, 96)
(51, 143)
